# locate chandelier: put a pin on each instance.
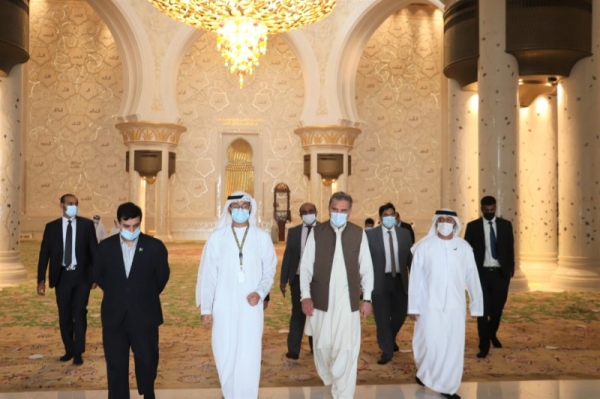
(242, 26)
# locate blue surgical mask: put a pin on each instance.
(130, 235)
(309, 219)
(339, 219)
(71, 211)
(389, 221)
(240, 215)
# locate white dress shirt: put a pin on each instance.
(64, 235)
(386, 245)
(488, 261)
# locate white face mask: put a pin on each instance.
(445, 228)
(309, 218)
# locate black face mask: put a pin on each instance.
(489, 215)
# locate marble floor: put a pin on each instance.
(561, 389)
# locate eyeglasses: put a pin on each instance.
(245, 207)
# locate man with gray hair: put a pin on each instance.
(235, 276)
(336, 266)
(443, 264)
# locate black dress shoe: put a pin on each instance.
(290, 355)
(418, 380)
(384, 360)
(482, 354)
(450, 395)
(496, 343)
(77, 360)
(396, 347)
(66, 357)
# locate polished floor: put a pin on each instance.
(571, 389)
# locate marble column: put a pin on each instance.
(11, 269)
(498, 76)
(327, 140)
(538, 190)
(163, 137)
(460, 178)
(578, 171)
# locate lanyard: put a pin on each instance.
(240, 247)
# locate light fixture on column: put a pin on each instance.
(242, 26)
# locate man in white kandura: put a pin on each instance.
(443, 264)
(335, 266)
(236, 272)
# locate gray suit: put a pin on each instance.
(390, 294)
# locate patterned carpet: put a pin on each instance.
(545, 336)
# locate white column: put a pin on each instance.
(498, 118)
(461, 176)
(538, 190)
(315, 178)
(578, 171)
(162, 198)
(11, 269)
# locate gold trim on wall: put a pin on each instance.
(343, 136)
(145, 132)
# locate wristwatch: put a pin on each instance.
(367, 300)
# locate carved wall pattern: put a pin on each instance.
(397, 157)
(211, 103)
(74, 89)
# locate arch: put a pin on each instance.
(239, 172)
(136, 55)
(343, 61)
(185, 37)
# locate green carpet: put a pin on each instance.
(545, 336)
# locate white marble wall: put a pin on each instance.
(397, 158)
(74, 87)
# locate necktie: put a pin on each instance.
(392, 256)
(309, 228)
(69, 246)
(493, 241)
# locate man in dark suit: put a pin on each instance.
(406, 226)
(390, 251)
(492, 241)
(69, 244)
(132, 269)
(290, 273)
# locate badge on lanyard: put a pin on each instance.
(241, 277)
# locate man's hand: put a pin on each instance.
(365, 309)
(307, 306)
(414, 317)
(41, 288)
(282, 288)
(206, 320)
(94, 286)
(253, 298)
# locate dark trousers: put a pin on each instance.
(72, 296)
(389, 308)
(495, 292)
(144, 345)
(297, 320)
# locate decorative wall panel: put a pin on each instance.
(74, 89)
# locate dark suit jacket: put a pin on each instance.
(408, 227)
(403, 256)
(52, 249)
(292, 254)
(505, 243)
(136, 297)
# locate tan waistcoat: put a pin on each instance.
(324, 251)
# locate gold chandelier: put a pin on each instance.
(242, 26)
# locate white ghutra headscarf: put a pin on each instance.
(433, 230)
(226, 220)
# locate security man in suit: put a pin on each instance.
(290, 273)
(492, 241)
(132, 269)
(390, 252)
(69, 245)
